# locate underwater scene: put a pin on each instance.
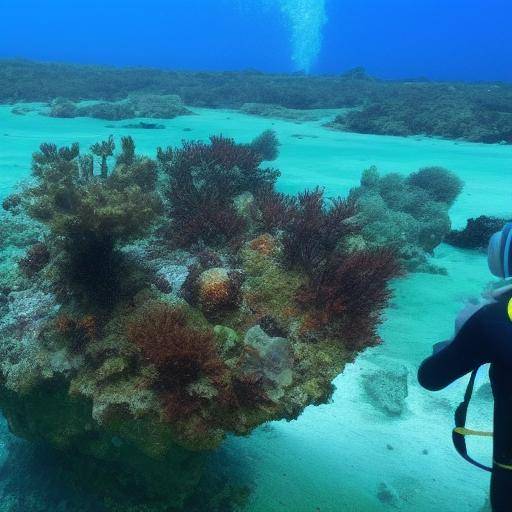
(255, 256)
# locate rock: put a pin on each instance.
(162, 284)
(387, 388)
(218, 288)
(164, 473)
(155, 106)
(173, 274)
(141, 125)
(61, 107)
(387, 495)
(28, 309)
(38, 256)
(272, 327)
(477, 232)
(279, 112)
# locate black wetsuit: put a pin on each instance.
(485, 338)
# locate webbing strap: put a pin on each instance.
(468, 432)
(460, 432)
(502, 466)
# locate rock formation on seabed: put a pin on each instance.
(150, 307)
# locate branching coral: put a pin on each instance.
(204, 179)
(352, 289)
(127, 155)
(104, 149)
(313, 230)
(89, 215)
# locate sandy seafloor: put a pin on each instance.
(338, 456)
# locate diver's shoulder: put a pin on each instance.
(500, 306)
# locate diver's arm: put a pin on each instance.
(466, 352)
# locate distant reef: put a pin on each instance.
(479, 112)
(157, 106)
(279, 112)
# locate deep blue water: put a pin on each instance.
(450, 39)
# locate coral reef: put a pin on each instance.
(62, 107)
(409, 214)
(157, 106)
(472, 111)
(440, 110)
(477, 232)
(156, 306)
(279, 112)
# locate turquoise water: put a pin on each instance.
(340, 456)
(310, 155)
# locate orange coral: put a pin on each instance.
(214, 288)
(79, 331)
(265, 244)
(89, 325)
(217, 289)
(64, 324)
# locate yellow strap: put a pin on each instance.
(468, 432)
(503, 466)
(509, 309)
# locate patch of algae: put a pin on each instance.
(269, 289)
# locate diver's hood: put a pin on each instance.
(499, 253)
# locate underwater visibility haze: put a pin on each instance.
(233, 235)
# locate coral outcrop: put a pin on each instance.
(409, 214)
(156, 106)
(159, 305)
(477, 232)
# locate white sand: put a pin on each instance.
(335, 456)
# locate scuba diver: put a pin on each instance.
(483, 334)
